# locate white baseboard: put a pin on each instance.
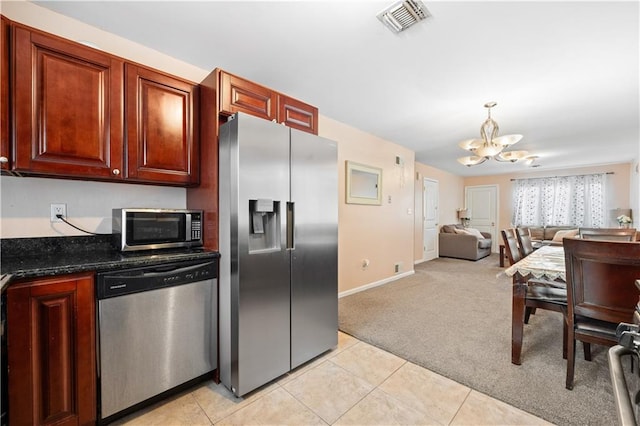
(375, 284)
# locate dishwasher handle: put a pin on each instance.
(129, 281)
(163, 270)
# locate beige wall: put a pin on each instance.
(382, 235)
(38, 17)
(618, 190)
(451, 197)
(25, 202)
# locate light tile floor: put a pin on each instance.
(354, 384)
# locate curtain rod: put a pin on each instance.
(549, 177)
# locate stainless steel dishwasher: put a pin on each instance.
(157, 329)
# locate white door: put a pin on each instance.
(430, 220)
(482, 204)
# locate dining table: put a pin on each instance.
(546, 263)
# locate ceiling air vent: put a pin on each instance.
(403, 14)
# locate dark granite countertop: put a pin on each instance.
(39, 257)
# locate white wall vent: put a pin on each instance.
(403, 14)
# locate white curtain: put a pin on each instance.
(562, 200)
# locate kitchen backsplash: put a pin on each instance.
(26, 204)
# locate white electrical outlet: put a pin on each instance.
(58, 209)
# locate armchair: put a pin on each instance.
(453, 242)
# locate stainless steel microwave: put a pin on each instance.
(150, 229)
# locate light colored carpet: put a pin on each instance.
(454, 318)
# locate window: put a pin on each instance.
(561, 200)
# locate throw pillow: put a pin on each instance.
(569, 233)
(475, 233)
(449, 229)
(461, 231)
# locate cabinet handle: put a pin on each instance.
(4, 159)
(116, 172)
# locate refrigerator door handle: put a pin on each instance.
(290, 225)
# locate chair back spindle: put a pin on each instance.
(524, 241)
(511, 245)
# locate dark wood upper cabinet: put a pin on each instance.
(161, 136)
(297, 114)
(51, 351)
(240, 95)
(67, 107)
(82, 113)
(4, 93)
(221, 95)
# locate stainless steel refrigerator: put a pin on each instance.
(278, 278)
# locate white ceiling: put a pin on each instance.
(564, 74)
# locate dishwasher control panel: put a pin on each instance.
(135, 280)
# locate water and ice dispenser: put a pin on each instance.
(264, 229)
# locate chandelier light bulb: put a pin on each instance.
(471, 160)
(488, 150)
(491, 145)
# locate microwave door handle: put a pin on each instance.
(187, 231)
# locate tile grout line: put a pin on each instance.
(371, 391)
(192, 393)
(460, 407)
(400, 401)
(278, 385)
(238, 408)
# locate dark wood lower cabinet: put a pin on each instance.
(52, 351)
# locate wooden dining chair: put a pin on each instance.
(511, 245)
(608, 234)
(513, 255)
(601, 292)
(530, 294)
(524, 241)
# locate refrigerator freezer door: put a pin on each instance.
(314, 265)
(254, 264)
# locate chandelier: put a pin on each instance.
(491, 145)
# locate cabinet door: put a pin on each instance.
(51, 351)
(161, 144)
(68, 108)
(298, 115)
(240, 95)
(4, 91)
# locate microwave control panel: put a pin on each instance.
(196, 226)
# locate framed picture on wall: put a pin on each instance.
(364, 184)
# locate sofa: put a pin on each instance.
(455, 242)
(546, 234)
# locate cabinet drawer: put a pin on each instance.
(297, 115)
(240, 95)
